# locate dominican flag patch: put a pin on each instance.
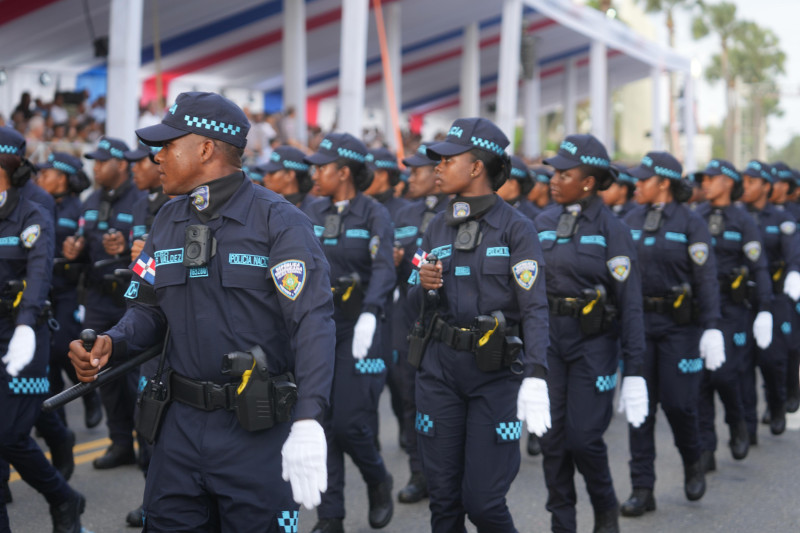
(419, 257)
(145, 268)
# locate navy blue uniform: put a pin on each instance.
(144, 212)
(738, 245)
(679, 252)
(583, 368)
(526, 207)
(267, 285)
(622, 210)
(26, 253)
(779, 234)
(364, 247)
(793, 365)
(468, 431)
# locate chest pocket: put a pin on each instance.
(247, 277)
(356, 238)
(496, 266)
(170, 275)
(589, 250)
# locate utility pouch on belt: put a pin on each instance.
(777, 271)
(153, 403)
(592, 315)
(490, 349)
(681, 304)
(11, 296)
(348, 294)
(738, 284)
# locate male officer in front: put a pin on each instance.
(264, 285)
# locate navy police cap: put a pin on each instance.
(420, 158)
(11, 142)
(757, 169)
(579, 149)
(66, 163)
(782, 172)
(720, 166)
(623, 174)
(336, 145)
(541, 174)
(141, 152)
(661, 164)
(108, 148)
(468, 133)
(284, 158)
(519, 170)
(207, 114)
(381, 158)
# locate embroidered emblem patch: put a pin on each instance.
(200, 197)
(461, 209)
(620, 267)
(30, 235)
(290, 276)
(374, 244)
(525, 273)
(145, 268)
(3, 198)
(699, 253)
(752, 250)
(788, 227)
(133, 290)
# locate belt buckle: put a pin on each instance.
(209, 397)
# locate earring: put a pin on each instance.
(586, 189)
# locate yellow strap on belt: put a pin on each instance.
(348, 292)
(777, 275)
(246, 378)
(737, 281)
(679, 301)
(488, 334)
(588, 307)
(18, 298)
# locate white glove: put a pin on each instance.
(362, 335)
(791, 285)
(305, 462)
(712, 348)
(633, 400)
(533, 405)
(762, 329)
(21, 348)
(80, 314)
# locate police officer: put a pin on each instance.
(678, 273)
(27, 248)
(356, 236)
(594, 292)
(237, 272)
(288, 175)
(477, 383)
(778, 233)
(738, 251)
(104, 228)
(410, 225)
(619, 196)
(792, 382)
(516, 189)
(539, 195)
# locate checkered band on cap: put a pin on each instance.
(487, 145)
(60, 165)
(115, 152)
(201, 122)
(595, 161)
(8, 149)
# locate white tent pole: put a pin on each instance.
(124, 60)
(598, 76)
(533, 98)
(570, 97)
(294, 64)
(508, 77)
(394, 43)
(689, 161)
(470, 89)
(657, 133)
(352, 66)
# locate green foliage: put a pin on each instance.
(789, 154)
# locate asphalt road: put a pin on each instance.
(757, 495)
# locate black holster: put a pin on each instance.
(348, 295)
(737, 285)
(777, 271)
(681, 308)
(153, 403)
(418, 339)
(115, 287)
(595, 314)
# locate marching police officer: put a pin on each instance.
(595, 296)
(27, 247)
(539, 195)
(234, 274)
(288, 175)
(738, 251)
(516, 189)
(619, 196)
(356, 236)
(477, 382)
(678, 273)
(103, 231)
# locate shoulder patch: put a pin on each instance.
(752, 250)
(620, 267)
(290, 277)
(30, 235)
(699, 253)
(788, 227)
(461, 209)
(525, 273)
(374, 245)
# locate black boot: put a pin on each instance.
(708, 461)
(5, 492)
(67, 516)
(328, 525)
(62, 456)
(740, 441)
(694, 480)
(753, 438)
(767, 418)
(136, 517)
(381, 506)
(92, 409)
(777, 423)
(116, 455)
(792, 403)
(640, 502)
(606, 521)
(534, 446)
(415, 490)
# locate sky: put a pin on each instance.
(781, 17)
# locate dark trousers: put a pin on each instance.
(350, 422)
(793, 364)
(408, 379)
(673, 370)
(468, 438)
(581, 379)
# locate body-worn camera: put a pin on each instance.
(567, 225)
(468, 236)
(198, 246)
(333, 227)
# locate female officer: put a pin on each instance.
(619, 196)
(516, 189)
(594, 292)
(26, 266)
(356, 235)
(287, 174)
(476, 380)
(539, 195)
(672, 244)
(737, 249)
